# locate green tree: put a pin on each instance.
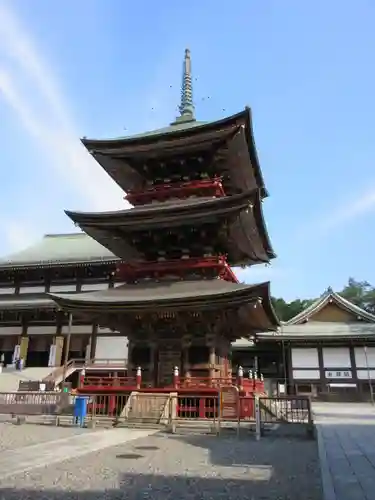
(360, 293)
(287, 310)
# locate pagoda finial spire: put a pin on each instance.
(186, 106)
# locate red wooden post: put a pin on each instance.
(202, 407)
(138, 378)
(176, 377)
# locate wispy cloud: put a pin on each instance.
(47, 119)
(259, 273)
(340, 214)
(353, 208)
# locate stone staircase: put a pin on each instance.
(57, 375)
(10, 378)
(145, 408)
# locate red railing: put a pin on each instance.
(163, 192)
(205, 382)
(128, 272)
(135, 382)
(107, 382)
(193, 407)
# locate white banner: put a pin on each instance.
(52, 355)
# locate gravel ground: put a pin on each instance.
(180, 467)
(15, 436)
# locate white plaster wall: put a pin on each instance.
(336, 357)
(41, 330)
(360, 357)
(306, 374)
(91, 287)
(364, 374)
(305, 357)
(77, 329)
(10, 330)
(63, 288)
(111, 348)
(32, 289)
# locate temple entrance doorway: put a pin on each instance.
(7, 345)
(38, 350)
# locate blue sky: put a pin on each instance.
(105, 68)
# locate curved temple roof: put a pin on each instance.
(185, 134)
(59, 250)
(117, 156)
(173, 295)
(329, 296)
(248, 230)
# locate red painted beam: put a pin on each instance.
(163, 192)
(136, 270)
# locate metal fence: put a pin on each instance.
(171, 410)
(288, 409)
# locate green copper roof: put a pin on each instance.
(60, 249)
(174, 127)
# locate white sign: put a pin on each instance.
(339, 374)
(52, 355)
(281, 388)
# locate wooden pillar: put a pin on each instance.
(24, 344)
(186, 342)
(212, 361)
(354, 368)
(290, 388)
(58, 342)
(23, 341)
(93, 341)
(152, 367)
(130, 357)
(322, 371)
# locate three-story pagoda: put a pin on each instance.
(196, 190)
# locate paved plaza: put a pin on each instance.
(346, 434)
(139, 464)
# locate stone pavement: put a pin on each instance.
(174, 467)
(26, 459)
(346, 436)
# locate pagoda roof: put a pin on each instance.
(59, 250)
(111, 229)
(173, 128)
(329, 296)
(175, 295)
(122, 157)
(176, 130)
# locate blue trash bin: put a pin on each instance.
(80, 410)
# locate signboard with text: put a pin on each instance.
(331, 374)
(229, 403)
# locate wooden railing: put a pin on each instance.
(80, 364)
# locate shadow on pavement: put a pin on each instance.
(158, 487)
